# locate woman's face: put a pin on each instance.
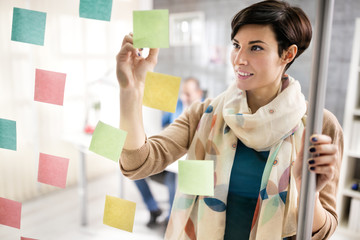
(255, 59)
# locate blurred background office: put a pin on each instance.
(85, 50)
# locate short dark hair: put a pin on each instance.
(290, 24)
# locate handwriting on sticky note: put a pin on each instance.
(161, 91)
(28, 26)
(53, 170)
(119, 213)
(196, 177)
(49, 87)
(107, 141)
(10, 213)
(151, 29)
(7, 134)
(96, 9)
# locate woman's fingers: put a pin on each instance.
(324, 159)
(127, 39)
(327, 170)
(322, 149)
(320, 139)
(321, 160)
(125, 52)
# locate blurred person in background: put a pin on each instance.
(190, 93)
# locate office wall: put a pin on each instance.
(215, 75)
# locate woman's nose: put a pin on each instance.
(240, 58)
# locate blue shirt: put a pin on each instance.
(245, 180)
(168, 117)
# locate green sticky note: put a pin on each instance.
(96, 9)
(196, 177)
(107, 141)
(151, 29)
(28, 26)
(119, 213)
(161, 91)
(7, 134)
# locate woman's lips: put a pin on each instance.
(243, 75)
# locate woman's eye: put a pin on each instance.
(256, 48)
(235, 45)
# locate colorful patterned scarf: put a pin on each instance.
(277, 127)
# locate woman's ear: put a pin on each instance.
(290, 53)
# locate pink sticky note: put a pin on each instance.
(49, 87)
(25, 238)
(10, 213)
(53, 170)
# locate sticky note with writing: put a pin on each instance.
(28, 26)
(96, 9)
(49, 87)
(151, 29)
(119, 213)
(10, 213)
(53, 170)
(196, 177)
(107, 141)
(7, 134)
(161, 91)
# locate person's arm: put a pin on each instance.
(131, 70)
(160, 150)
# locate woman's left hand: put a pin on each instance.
(322, 162)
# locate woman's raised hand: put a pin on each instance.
(131, 67)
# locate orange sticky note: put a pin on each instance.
(25, 238)
(49, 87)
(119, 213)
(10, 213)
(161, 91)
(53, 170)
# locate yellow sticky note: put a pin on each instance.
(161, 91)
(119, 213)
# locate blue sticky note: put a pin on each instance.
(7, 134)
(28, 26)
(96, 9)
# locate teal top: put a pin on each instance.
(243, 192)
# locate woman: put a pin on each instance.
(253, 133)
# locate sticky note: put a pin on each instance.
(10, 213)
(28, 26)
(96, 9)
(151, 29)
(7, 134)
(196, 177)
(53, 170)
(107, 141)
(25, 238)
(119, 213)
(49, 87)
(161, 91)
